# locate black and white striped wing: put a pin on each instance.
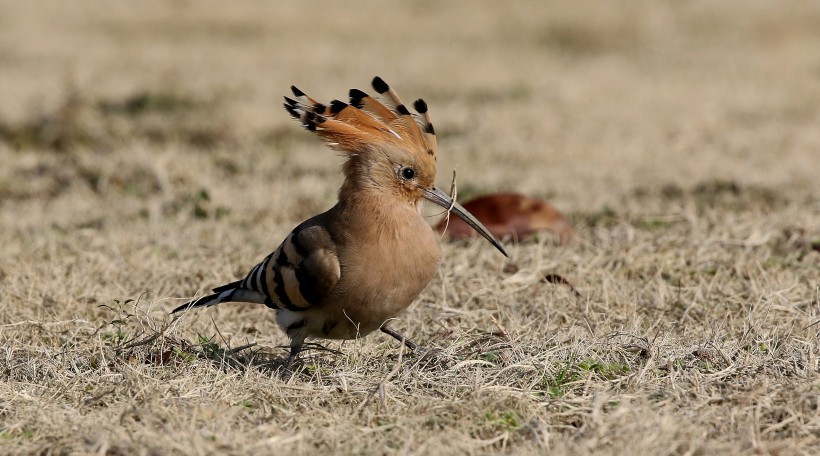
(300, 273)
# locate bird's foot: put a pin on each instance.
(287, 372)
(407, 342)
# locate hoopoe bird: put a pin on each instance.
(344, 273)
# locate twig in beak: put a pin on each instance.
(453, 195)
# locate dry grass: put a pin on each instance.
(145, 158)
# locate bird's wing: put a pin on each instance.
(300, 273)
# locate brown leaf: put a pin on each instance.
(510, 214)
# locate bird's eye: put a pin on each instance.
(408, 173)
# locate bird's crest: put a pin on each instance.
(366, 122)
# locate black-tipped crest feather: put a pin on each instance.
(379, 85)
(356, 97)
(336, 106)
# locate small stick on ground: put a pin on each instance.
(557, 279)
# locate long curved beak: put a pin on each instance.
(442, 199)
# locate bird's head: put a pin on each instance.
(389, 150)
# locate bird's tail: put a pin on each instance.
(232, 292)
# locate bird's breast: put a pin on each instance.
(382, 272)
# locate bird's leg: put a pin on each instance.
(295, 348)
(399, 337)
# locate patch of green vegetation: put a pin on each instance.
(434, 423)
(577, 40)
(653, 223)
(570, 372)
(716, 188)
(606, 217)
(201, 210)
(382, 421)
(705, 365)
(210, 348)
(507, 420)
(760, 347)
(730, 195)
(227, 165)
(556, 387)
(514, 92)
(606, 370)
(116, 337)
(245, 403)
(60, 130)
(672, 192)
(669, 278)
(25, 433)
(147, 102)
(157, 116)
(183, 355)
(314, 368)
(131, 188)
(490, 356)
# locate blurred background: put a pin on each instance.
(572, 100)
(151, 116)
